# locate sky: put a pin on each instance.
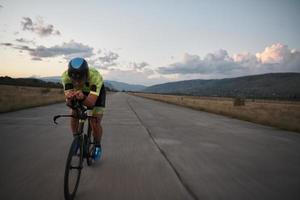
(150, 42)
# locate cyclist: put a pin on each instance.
(86, 84)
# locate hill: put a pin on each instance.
(268, 86)
(49, 82)
(32, 82)
(125, 86)
(114, 85)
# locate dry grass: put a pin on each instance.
(19, 97)
(281, 114)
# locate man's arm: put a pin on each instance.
(96, 82)
(68, 87)
(88, 101)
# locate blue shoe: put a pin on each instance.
(97, 153)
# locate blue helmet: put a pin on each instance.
(78, 69)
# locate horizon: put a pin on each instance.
(49, 77)
(151, 42)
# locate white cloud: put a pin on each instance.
(276, 58)
(218, 62)
(277, 53)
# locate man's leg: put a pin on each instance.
(97, 131)
(74, 123)
(97, 128)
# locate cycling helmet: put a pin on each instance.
(78, 69)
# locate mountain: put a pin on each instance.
(115, 85)
(270, 86)
(125, 86)
(55, 79)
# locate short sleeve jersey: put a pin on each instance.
(92, 85)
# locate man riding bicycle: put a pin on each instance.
(86, 84)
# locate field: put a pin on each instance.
(19, 97)
(280, 114)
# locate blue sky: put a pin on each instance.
(150, 42)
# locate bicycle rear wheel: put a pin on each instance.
(73, 168)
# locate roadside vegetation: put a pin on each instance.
(280, 114)
(20, 93)
(18, 97)
(31, 82)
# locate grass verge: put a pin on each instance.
(20, 97)
(280, 114)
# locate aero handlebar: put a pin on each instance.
(80, 110)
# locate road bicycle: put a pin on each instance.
(81, 148)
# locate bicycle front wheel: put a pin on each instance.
(73, 168)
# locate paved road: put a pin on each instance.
(152, 150)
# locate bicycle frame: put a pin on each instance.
(83, 140)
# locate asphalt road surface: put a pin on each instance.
(152, 150)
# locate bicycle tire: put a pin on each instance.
(90, 146)
(69, 192)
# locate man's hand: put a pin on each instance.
(70, 94)
(79, 95)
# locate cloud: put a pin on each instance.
(135, 73)
(34, 58)
(139, 66)
(27, 24)
(280, 58)
(134, 77)
(23, 40)
(218, 62)
(6, 44)
(24, 48)
(276, 58)
(274, 54)
(38, 27)
(105, 60)
(68, 50)
(108, 57)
